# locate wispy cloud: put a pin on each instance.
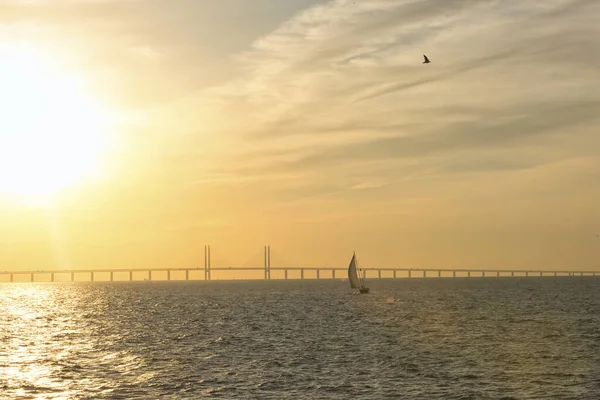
(343, 83)
(277, 118)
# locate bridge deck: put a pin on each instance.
(330, 272)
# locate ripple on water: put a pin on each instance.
(453, 339)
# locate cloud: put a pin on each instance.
(342, 85)
(255, 121)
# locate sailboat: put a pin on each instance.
(357, 281)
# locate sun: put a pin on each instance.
(52, 132)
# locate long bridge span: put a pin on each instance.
(267, 272)
(195, 274)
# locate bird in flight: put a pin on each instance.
(426, 59)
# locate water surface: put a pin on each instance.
(495, 338)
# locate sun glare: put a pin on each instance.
(51, 131)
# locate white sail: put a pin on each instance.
(353, 274)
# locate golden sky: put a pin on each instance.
(132, 133)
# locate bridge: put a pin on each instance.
(267, 272)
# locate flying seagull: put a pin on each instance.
(426, 59)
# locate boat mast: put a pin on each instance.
(358, 269)
(361, 274)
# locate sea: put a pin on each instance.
(477, 338)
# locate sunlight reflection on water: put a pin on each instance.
(511, 338)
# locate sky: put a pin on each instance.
(314, 127)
